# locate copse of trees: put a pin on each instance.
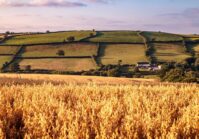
(173, 72)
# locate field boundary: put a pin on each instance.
(89, 37)
(149, 47)
(7, 54)
(144, 39)
(14, 58)
(53, 57)
(94, 61)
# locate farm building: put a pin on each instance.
(149, 66)
(143, 65)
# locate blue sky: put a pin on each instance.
(177, 16)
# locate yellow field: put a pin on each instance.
(9, 49)
(30, 109)
(61, 64)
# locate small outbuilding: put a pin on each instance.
(143, 65)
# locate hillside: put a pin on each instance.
(53, 52)
(55, 106)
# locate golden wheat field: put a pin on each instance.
(32, 107)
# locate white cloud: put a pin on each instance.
(41, 3)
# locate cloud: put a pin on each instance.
(97, 1)
(50, 3)
(188, 16)
(41, 3)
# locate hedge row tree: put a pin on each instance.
(15, 67)
(60, 53)
(71, 39)
(28, 68)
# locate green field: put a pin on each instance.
(128, 53)
(4, 59)
(192, 39)
(47, 38)
(77, 49)
(117, 36)
(60, 64)
(161, 37)
(166, 52)
(9, 49)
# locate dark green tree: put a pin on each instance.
(60, 53)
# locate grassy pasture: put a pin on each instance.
(47, 38)
(161, 37)
(59, 64)
(192, 39)
(118, 36)
(128, 53)
(80, 49)
(4, 59)
(8, 49)
(170, 52)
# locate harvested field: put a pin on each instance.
(61, 64)
(8, 50)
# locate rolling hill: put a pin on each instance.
(92, 49)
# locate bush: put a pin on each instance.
(15, 67)
(91, 34)
(113, 73)
(60, 53)
(71, 39)
(28, 67)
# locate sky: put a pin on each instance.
(175, 16)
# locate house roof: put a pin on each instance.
(143, 63)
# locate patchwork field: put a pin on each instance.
(47, 38)
(161, 37)
(128, 53)
(4, 59)
(60, 64)
(80, 49)
(170, 52)
(118, 36)
(8, 49)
